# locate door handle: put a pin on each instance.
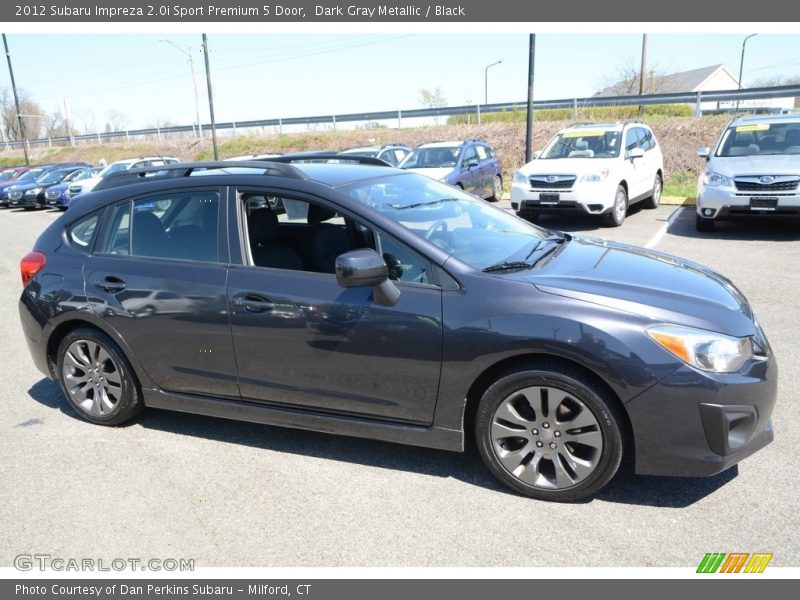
(111, 284)
(253, 303)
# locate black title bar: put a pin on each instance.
(414, 11)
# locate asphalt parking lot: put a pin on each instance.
(236, 494)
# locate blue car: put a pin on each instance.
(470, 165)
(30, 174)
(56, 195)
(30, 195)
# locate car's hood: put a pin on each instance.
(567, 166)
(8, 184)
(437, 174)
(60, 187)
(770, 164)
(659, 286)
(24, 186)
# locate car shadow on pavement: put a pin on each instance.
(578, 222)
(755, 230)
(625, 488)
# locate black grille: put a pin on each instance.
(755, 186)
(562, 183)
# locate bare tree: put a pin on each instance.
(116, 121)
(86, 119)
(625, 80)
(432, 99)
(780, 80)
(33, 115)
(56, 125)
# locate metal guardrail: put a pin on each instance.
(695, 98)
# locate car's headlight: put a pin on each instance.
(34, 191)
(598, 177)
(712, 179)
(705, 350)
(520, 178)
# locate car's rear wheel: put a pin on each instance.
(549, 432)
(96, 378)
(655, 196)
(702, 224)
(497, 189)
(619, 209)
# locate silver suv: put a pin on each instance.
(754, 171)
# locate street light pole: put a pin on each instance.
(486, 81)
(16, 103)
(741, 65)
(188, 52)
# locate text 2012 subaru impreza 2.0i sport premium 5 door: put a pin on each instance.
(388, 305)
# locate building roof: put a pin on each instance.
(687, 81)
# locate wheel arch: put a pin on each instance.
(522, 361)
(63, 329)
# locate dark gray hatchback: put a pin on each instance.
(387, 305)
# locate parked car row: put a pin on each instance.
(55, 185)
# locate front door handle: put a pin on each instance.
(253, 302)
(111, 284)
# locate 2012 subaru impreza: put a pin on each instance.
(387, 305)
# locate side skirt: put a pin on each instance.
(428, 437)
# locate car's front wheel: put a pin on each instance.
(96, 378)
(549, 432)
(702, 224)
(615, 216)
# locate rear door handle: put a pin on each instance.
(253, 302)
(111, 284)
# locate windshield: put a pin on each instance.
(760, 139)
(30, 175)
(583, 143)
(113, 168)
(464, 226)
(52, 177)
(6, 175)
(434, 157)
(79, 175)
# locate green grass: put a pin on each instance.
(681, 184)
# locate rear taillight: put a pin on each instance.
(30, 265)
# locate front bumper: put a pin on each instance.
(697, 424)
(590, 199)
(728, 203)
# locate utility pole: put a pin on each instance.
(16, 103)
(741, 65)
(643, 72)
(529, 118)
(210, 99)
(188, 52)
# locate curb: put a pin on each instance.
(678, 200)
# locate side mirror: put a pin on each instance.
(636, 153)
(537, 154)
(366, 268)
(704, 152)
(473, 162)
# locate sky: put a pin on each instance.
(271, 75)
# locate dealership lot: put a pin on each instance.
(234, 494)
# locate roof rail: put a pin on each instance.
(327, 157)
(627, 121)
(186, 169)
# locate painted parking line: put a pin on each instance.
(664, 228)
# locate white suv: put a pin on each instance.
(87, 185)
(753, 172)
(597, 169)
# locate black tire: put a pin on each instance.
(615, 216)
(497, 189)
(655, 196)
(124, 400)
(702, 224)
(573, 392)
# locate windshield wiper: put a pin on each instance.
(514, 265)
(428, 203)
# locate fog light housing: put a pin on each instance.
(708, 212)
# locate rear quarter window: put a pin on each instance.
(82, 232)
